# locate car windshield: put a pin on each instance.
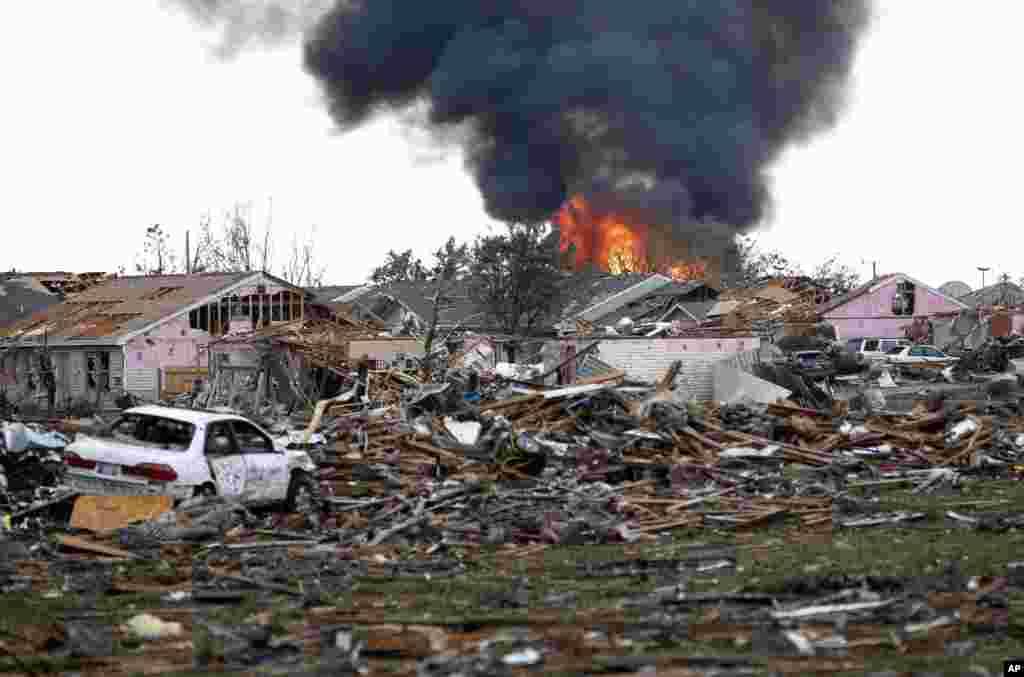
(153, 431)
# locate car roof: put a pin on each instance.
(193, 416)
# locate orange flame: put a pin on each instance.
(617, 243)
(698, 270)
(608, 241)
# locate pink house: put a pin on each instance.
(125, 334)
(885, 307)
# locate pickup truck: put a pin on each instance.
(184, 453)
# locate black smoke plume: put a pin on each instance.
(678, 107)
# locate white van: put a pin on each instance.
(873, 349)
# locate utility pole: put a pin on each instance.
(983, 269)
(188, 256)
(874, 269)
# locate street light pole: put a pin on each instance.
(983, 270)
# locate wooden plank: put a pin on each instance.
(76, 543)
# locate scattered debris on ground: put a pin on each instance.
(481, 523)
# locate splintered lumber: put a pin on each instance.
(790, 452)
(511, 403)
(614, 375)
(430, 450)
(77, 543)
(922, 422)
(781, 409)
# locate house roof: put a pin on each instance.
(331, 293)
(999, 294)
(583, 292)
(698, 310)
(880, 281)
(655, 305)
(120, 307)
(417, 298)
(20, 298)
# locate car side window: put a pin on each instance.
(250, 439)
(219, 430)
(871, 345)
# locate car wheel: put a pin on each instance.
(303, 494)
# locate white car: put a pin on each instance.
(183, 453)
(918, 354)
(874, 349)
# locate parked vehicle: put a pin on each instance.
(810, 359)
(874, 349)
(918, 354)
(184, 453)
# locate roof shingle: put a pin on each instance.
(121, 305)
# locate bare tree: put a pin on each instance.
(450, 263)
(204, 247)
(302, 268)
(239, 247)
(157, 256)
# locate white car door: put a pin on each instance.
(226, 462)
(266, 467)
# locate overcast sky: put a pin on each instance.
(116, 116)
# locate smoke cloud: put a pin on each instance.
(677, 108)
(245, 23)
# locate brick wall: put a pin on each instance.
(648, 359)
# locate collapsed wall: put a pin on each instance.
(645, 359)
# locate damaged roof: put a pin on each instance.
(694, 297)
(999, 294)
(417, 298)
(123, 305)
(880, 281)
(584, 290)
(331, 293)
(20, 298)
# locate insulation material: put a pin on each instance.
(106, 513)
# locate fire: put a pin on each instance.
(608, 241)
(617, 243)
(697, 270)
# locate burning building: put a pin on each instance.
(645, 130)
(624, 242)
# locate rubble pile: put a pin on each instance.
(418, 482)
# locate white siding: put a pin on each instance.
(76, 374)
(143, 383)
(648, 359)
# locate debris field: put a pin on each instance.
(608, 527)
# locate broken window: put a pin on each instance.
(903, 301)
(154, 431)
(97, 371)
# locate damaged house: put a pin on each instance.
(886, 307)
(20, 296)
(130, 334)
(632, 304)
